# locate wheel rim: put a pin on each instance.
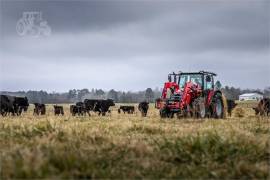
(202, 111)
(218, 108)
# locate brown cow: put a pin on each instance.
(230, 105)
(58, 110)
(263, 108)
(126, 109)
(143, 107)
(40, 109)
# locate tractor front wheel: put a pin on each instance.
(163, 113)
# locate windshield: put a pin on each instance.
(194, 78)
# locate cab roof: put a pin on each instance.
(200, 72)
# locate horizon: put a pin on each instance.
(117, 90)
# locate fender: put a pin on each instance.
(210, 96)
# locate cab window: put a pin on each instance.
(194, 78)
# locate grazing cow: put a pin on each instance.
(263, 108)
(79, 109)
(98, 105)
(58, 110)
(102, 106)
(143, 107)
(126, 109)
(6, 105)
(231, 105)
(20, 104)
(40, 109)
(73, 110)
(12, 104)
(90, 105)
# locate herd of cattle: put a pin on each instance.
(16, 105)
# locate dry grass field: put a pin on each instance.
(129, 146)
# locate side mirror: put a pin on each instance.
(218, 85)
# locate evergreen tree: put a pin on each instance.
(149, 95)
(112, 94)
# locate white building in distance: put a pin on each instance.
(250, 96)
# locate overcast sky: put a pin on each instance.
(132, 45)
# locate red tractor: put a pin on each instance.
(191, 94)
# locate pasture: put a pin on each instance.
(129, 146)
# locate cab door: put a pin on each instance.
(208, 88)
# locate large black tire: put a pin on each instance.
(218, 106)
(170, 115)
(163, 113)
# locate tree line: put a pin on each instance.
(76, 95)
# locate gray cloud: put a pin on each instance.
(133, 45)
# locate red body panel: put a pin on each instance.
(209, 97)
(160, 103)
(169, 85)
(191, 91)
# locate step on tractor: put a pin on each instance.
(191, 94)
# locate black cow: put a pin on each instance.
(126, 109)
(12, 104)
(263, 107)
(90, 104)
(73, 110)
(20, 104)
(79, 109)
(101, 106)
(58, 110)
(40, 109)
(143, 107)
(231, 105)
(6, 105)
(267, 106)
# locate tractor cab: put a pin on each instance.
(205, 80)
(37, 16)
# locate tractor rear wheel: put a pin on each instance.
(218, 107)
